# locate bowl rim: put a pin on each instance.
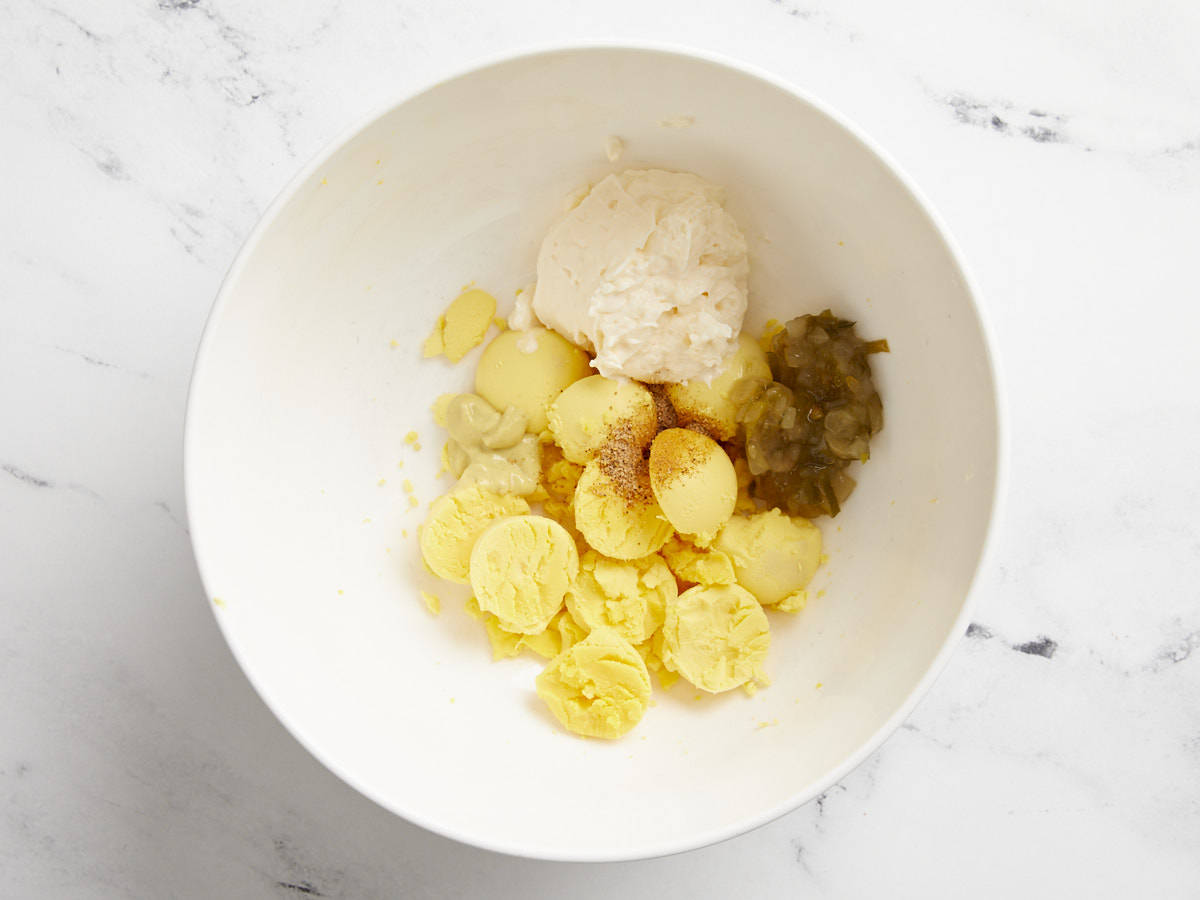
(987, 550)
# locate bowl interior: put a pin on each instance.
(310, 376)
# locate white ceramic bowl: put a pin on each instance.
(300, 403)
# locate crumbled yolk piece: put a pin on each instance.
(628, 597)
(697, 565)
(462, 327)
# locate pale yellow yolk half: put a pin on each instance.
(716, 636)
(597, 688)
(520, 570)
(774, 556)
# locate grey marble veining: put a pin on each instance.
(1059, 754)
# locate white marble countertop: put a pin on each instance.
(1059, 755)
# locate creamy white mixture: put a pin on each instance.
(649, 272)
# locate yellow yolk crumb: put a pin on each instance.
(556, 489)
(696, 565)
(561, 634)
(560, 479)
(628, 597)
(432, 602)
(504, 643)
(563, 512)
(651, 652)
(545, 644)
(793, 602)
(462, 327)
(410, 438)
